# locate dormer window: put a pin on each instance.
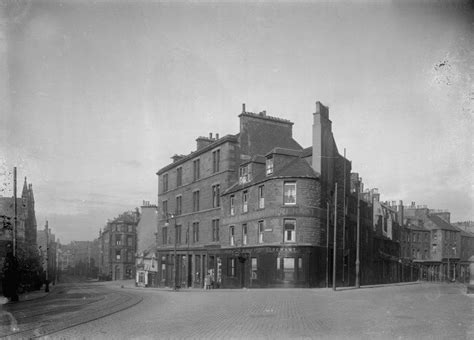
(269, 165)
(244, 176)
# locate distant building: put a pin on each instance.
(47, 248)
(118, 245)
(26, 243)
(80, 258)
(145, 261)
(444, 239)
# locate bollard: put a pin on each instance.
(470, 286)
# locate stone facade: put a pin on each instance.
(279, 238)
(118, 246)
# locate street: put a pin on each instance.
(417, 311)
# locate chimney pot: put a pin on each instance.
(243, 107)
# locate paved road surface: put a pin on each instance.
(420, 311)
(66, 305)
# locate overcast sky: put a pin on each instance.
(98, 95)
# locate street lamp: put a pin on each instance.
(357, 282)
(173, 216)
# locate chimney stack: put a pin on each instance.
(217, 136)
(210, 135)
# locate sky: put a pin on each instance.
(96, 96)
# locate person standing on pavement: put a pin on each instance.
(207, 281)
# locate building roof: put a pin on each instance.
(463, 232)
(227, 138)
(416, 227)
(296, 168)
(440, 223)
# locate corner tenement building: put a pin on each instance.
(250, 208)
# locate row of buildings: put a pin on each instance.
(256, 209)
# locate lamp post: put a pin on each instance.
(357, 282)
(172, 216)
(327, 244)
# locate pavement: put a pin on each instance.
(397, 311)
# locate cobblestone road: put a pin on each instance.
(420, 311)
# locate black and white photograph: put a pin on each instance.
(236, 169)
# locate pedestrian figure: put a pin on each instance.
(207, 281)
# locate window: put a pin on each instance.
(165, 182)
(231, 267)
(196, 201)
(300, 272)
(269, 165)
(244, 174)
(215, 230)
(165, 209)
(245, 197)
(288, 268)
(179, 177)
(130, 228)
(177, 234)
(118, 240)
(254, 268)
(195, 232)
(232, 205)
(290, 230)
(179, 204)
(117, 254)
(216, 196)
(289, 193)
(261, 198)
(196, 169)
(130, 241)
(244, 234)
(232, 235)
(216, 156)
(130, 256)
(164, 235)
(261, 229)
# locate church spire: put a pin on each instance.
(24, 193)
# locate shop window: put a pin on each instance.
(288, 268)
(254, 268)
(231, 267)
